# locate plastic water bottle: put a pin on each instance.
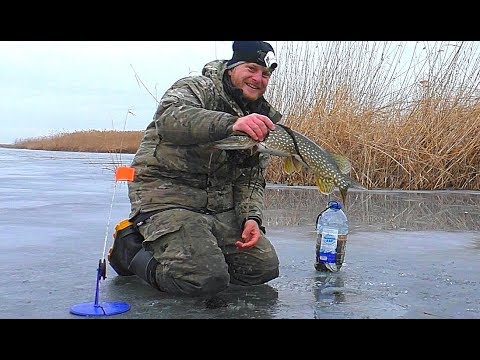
(332, 231)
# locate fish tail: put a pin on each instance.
(343, 194)
(351, 183)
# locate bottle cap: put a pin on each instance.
(335, 205)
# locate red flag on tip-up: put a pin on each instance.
(124, 173)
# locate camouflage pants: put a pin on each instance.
(197, 253)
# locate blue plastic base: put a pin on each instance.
(100, 309)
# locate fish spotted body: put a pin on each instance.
(330, 170)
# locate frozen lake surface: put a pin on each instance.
(409, 254)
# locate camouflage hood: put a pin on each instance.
(215, 70)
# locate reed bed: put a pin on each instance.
(407, 114)
(101, 141)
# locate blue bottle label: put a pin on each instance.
(328, 245)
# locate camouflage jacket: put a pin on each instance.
(175, 165)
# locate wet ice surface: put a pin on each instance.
(408, 255)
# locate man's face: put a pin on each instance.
(252, 78)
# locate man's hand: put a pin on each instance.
(250, 235)
(254, 125)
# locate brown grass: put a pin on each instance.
(410, 124)
(102, 141)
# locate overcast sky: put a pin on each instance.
(48, 87)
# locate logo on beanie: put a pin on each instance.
(270, 60)
(259, 52)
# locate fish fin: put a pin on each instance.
(343, 163)
(292, 164)
(289, 165)
(325, 186)
(298, 163)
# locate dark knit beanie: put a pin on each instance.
(259, 52)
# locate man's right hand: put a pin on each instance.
(254, 125)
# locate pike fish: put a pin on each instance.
(330, 170)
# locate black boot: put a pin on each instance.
(127, 243)
(144, 265)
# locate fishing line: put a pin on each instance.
(292, 135)
(109, 220)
